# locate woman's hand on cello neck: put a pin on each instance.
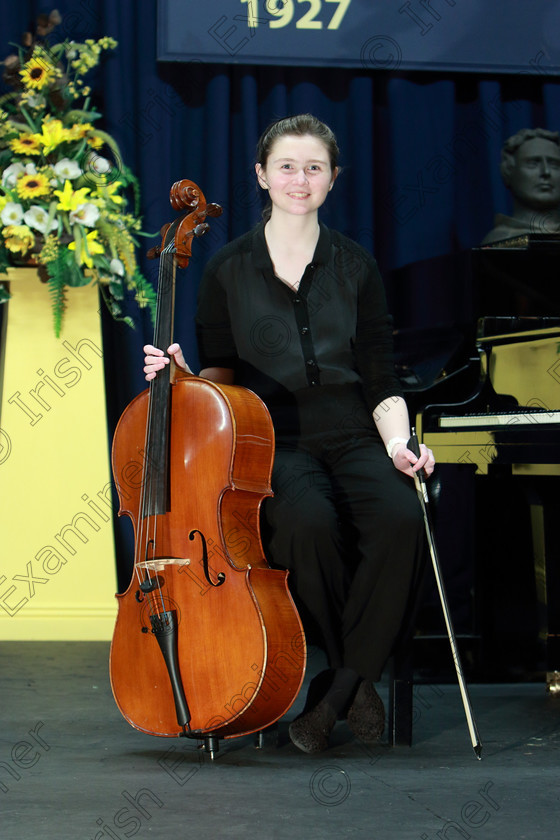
(155, 359)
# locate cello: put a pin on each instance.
(207, 643)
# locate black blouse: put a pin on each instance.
(334, 330)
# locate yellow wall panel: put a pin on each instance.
(57, 569)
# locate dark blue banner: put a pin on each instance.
(483, 36)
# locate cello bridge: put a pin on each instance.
(159, 563)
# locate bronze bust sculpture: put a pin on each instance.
(530, 168)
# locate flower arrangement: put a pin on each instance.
(63, 188)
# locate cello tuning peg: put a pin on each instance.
(201, 229)
(213, 210)
(154, 252)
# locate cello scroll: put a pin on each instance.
(185, 194)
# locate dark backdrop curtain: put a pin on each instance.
(420, 154)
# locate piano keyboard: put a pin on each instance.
(490, 420)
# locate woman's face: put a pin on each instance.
(297, 175)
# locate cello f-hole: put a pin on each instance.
(220, 577)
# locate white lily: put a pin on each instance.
(67, 169)
(11, 174)
(35, 100)
(84, 214)
(99, 164)
(117, 267)
(12, 214)
(37, 217)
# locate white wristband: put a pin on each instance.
(392, 443)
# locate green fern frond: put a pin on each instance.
(57, 292)
(145, 294)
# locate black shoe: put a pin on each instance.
(310, 732)
(366, 716)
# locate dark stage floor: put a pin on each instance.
(71, 768)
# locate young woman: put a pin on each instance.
(297, 313)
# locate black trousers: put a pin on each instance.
(349, 528)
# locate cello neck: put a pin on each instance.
(156, 457)
(174, 251)
(163, 330)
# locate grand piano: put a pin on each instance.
(495, 407)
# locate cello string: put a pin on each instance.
(147, 491)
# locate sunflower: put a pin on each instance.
(32, 186)
(38, 72)
(26, 144)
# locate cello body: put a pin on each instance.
(234, 655)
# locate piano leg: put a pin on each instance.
(544, 510)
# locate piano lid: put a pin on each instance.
(527, 241)
(443, 305)
(518, 276)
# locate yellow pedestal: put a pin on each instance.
(57, 567)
